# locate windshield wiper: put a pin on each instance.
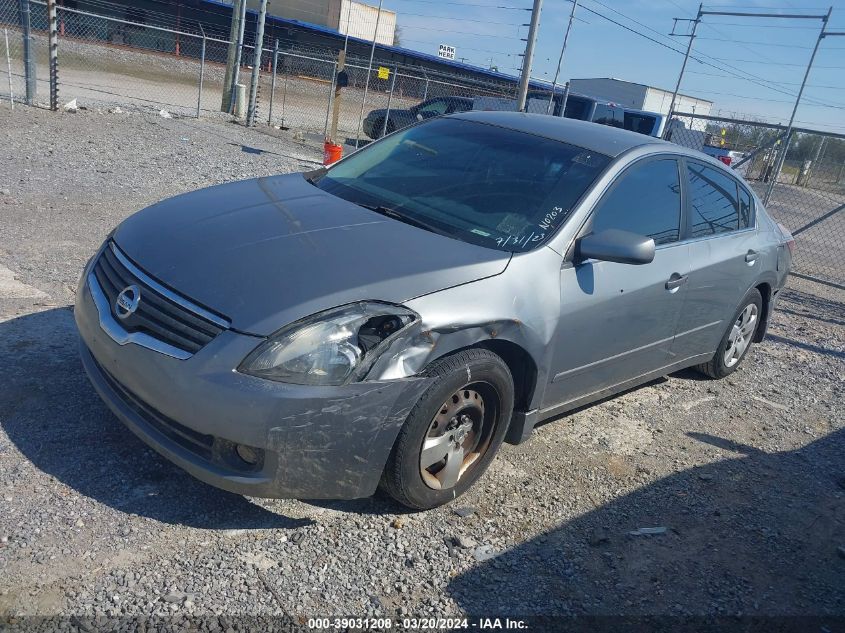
(396, 215)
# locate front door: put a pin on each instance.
(618, 320)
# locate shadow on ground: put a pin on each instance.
(752, 534)
(54, 417)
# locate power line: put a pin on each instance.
(733, 41)
(757, 61)
(789, 83)
(724, 67)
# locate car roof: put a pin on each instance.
(603, 139)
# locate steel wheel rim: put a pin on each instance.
(458, 436)
(740, 335)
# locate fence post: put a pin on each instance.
(9, 69)
(284, 97)
(340, 67)
(779, 160)
(389, 99)
(28, 57)
(425, 92)
(54, 54)
(329, 105)
(273, 81)
(202, 72)
(564, 100)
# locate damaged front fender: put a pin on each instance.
(520, 306)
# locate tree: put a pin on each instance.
(397, 36)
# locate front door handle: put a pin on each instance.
(751, 257)
(675, 282)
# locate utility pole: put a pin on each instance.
(691, 37)
(560, 59)
(369, 70)
(528, 57)
(256, 64)
(231, 55)
(236, 70)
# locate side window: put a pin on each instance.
(713, 200)
(576, 108)
(646, 200)
(608, 115)
(433, 108)
(459, 105)
(641, 123)
(746, 217)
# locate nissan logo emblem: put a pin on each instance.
(127, 301)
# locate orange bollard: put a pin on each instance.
(331, 152)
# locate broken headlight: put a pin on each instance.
(329, 348)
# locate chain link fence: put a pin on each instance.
(105, 61)
(13, 84)
(807, 194)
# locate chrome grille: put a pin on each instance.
(160, 313)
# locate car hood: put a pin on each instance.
(269, 251)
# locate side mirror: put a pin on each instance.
(618, 246)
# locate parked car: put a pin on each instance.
(394, 318)
(597, 110)
(583, 108)
(374, 123)
(723, 154)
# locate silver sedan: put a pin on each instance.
(391, 320)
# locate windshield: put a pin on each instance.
(471, 181)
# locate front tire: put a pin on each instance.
(453, 432)
(738, 339)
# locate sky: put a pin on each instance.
(754, 66)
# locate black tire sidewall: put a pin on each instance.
(404, 468)
(722, 370)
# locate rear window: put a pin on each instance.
(479, 183)
(607, 115)
(577, 108)
(714, 201)
(642, 123)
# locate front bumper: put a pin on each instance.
(317, 442)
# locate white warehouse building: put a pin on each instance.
(638, 96)
(337, 15)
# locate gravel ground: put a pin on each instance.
(744, 477)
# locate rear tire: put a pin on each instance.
(738, 339)
(460, 421)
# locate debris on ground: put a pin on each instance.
(647, 531)
(484, 553)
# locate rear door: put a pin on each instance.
(723, 261)
(618, 320)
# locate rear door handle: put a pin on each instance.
(751, 257)
(675, 282)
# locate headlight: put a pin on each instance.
(329, 348)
